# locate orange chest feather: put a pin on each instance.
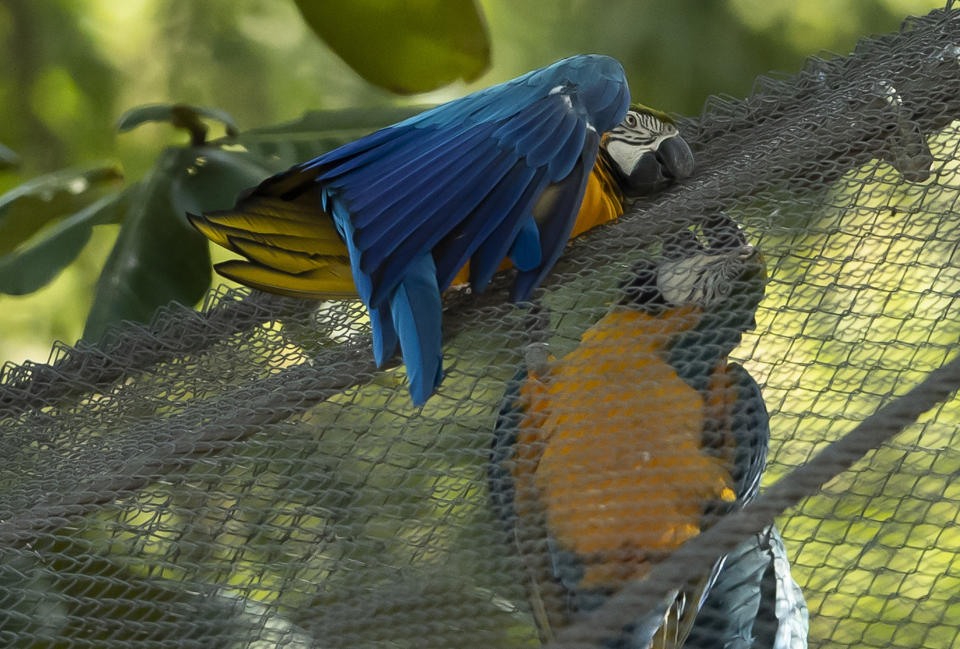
(601, 202)
(613, 443)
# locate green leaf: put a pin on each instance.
(27, 269)
(405, 46)
(27, 208)
(342, 122)
(180, 116)
(316, 132)
(158, 256)
(143, 114)
(8, 158)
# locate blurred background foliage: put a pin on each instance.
(78, 69)
(75, 66)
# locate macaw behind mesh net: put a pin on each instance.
(246, 477)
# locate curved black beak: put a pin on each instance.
(676, 158)
(672, 161)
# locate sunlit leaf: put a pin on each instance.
(179, 115)
(28, 268)
(158, 256)
(405, 46)
(25, 209)
(8, 158)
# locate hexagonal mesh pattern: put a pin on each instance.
(246, 477)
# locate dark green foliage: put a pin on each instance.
(8, 159)
(181, 116)
(430, 42)
(158, 257)
(44, 223)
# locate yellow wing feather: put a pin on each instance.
(285, 259)
(291, 246)
(332, 282)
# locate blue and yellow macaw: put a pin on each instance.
(608, 459)
(444, 197)
(754, 602)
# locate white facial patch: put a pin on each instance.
(634, 136)
(680, 282)
(702, 279)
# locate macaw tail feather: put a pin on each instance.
(755, 602)
(290, 247)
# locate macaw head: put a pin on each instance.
(646, 151)
(714, 280)
(726, 281)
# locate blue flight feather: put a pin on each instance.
(555, 228)
(754, 603)
(341, 218)
(425, 204)
(383, 333)
(495, 247)
(368, 196)
(544, 109)
(417, 318)
(525, 252)
(324, 168)
(547, 150)
(568, 152)
(429, 164)
(544, 130)
(454, 251)
(457, 183)
(452, 199)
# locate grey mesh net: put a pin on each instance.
(245, 477)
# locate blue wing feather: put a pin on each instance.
(542, 110)
(755, 603)
(751, 430)
(548, 150)
(555, 228)
(417, 315)
(424, 202)
(543, 132)
(368, 188)
(568, 152)
(525, 252)
(357, 154)
(452, 200)
(496, 245)
(384, 334)
(457, 247)
(374, 195)
(458, 182)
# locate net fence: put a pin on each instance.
(245, 476)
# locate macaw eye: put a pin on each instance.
(631, 120)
